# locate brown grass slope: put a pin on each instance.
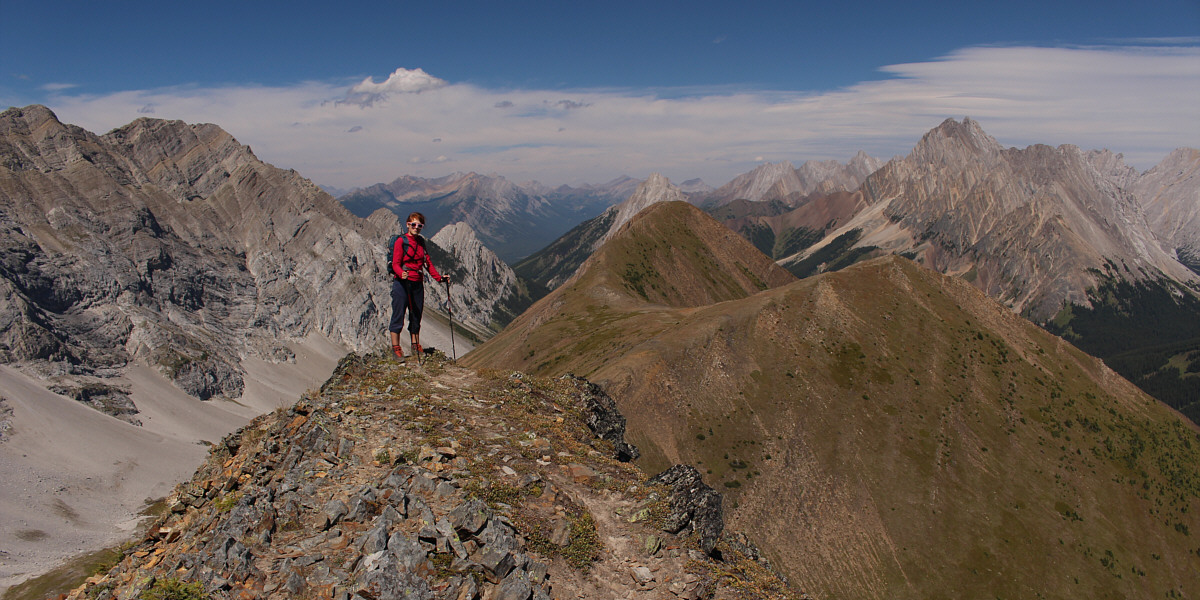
(671, 256)
(889, 432)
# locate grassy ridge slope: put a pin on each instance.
(885, 431)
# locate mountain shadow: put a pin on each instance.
(781, 228)
(883, 431)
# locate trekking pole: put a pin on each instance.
(450, 311)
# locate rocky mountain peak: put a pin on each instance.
(33, 139)
(485, 293)
(954, 142)
(862, 164)
(1170, 196)
(829, 176)
(190, 162)
(28, 118)
(656, 188)
(766, 179)
(458, 236)
(1032, 226)
(1106, 162)
(172, 245)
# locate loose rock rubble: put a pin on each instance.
(398, 482)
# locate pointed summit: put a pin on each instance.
(671, 255)
(766, 181)
(486, 294)
(655, 189)
(954, 142)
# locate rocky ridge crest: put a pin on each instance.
(437, 483)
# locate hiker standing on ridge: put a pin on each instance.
(408, 288)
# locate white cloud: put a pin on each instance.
(401, 81)
(57, 87)
(1135, 100)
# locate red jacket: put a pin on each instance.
(407, 265)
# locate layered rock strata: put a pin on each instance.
(172, 244)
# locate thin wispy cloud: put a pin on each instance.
(1139, 100)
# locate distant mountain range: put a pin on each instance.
(880, 432)
(1060, 235)
(512, 220)
(555, 263)
(788, 184)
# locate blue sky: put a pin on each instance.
(354, 93)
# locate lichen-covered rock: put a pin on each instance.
(694, 505)
(604, 419)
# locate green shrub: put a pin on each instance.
(174, 589)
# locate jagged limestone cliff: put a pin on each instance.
(173, 245)
(1030, 227)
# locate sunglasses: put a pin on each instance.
(417, 225)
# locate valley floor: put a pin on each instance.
(77, 480)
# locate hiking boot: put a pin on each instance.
(399, 352)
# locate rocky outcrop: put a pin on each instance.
(695, 506)
(439, 484)
(6, 414)
(104, 398)
(171, 244)
(604, 420)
